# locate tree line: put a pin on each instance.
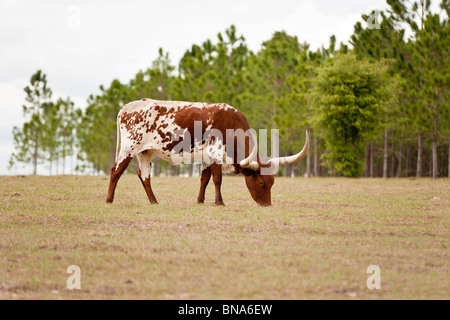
(377, 109)
(50, 129)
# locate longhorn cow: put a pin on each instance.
(146, 128)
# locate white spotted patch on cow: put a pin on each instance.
(144, 127)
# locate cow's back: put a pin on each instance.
(149, 124)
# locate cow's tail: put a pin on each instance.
(118, 139)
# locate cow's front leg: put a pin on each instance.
(145, 169)
(206, 176)
(216, 170)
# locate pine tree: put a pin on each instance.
(50, 141)
(27, 140)
(68, 116)
(432, 58)
(429, 49)
(267, 100)
(387, 44)
(99, 126)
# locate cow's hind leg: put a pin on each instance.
(116, 172)
(206, 176)
(145, 169)
(216, 170)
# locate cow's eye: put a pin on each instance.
(260, 182)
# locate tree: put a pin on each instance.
(196, 75)
(213, 72)
(50, 141)
(229, 61)
(387, 44)
(297, 106)
(25, 143)
(98, 130)
(27, 139)
(269, 102)
(155, 82)
(429, 49)
(67, 116)
(432, 58)
(348, 97)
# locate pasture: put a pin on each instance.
(316, 241)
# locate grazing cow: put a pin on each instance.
(148, 128)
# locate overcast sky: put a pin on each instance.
(82, 44)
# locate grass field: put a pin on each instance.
(316, 241)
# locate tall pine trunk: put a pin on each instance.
(419, 156)
(408, 155)
(296, 169)
(435, 173)
(448, 169)
(430, 171)
(157, 166)
(308, 158)
(308, 164)
(386, 154)
(399, 165)
(64, 156)
(393, 160)
(435, 143)
(288, 170)
(71, 160)
(367, 170)
(112, 155)
(35, 153)
(371, 160)
(316, 158)
(172, 170)
(51, 162)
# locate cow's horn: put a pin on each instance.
(250, 162)
(295, 158)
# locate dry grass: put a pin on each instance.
(316, 241)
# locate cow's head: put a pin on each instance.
(259, 176)
(259, 186)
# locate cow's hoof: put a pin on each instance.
(109, 201)
(220, 203)
(200, 201)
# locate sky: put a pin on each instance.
(83, 44)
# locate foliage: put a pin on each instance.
(27, 140)
(350, 97)
(394, 78)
